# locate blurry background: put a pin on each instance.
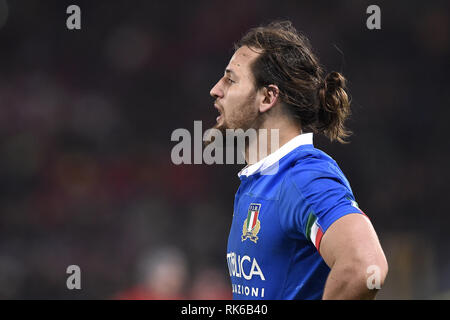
(86, 117)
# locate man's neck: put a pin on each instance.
(269, 138)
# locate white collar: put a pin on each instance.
(274, 157)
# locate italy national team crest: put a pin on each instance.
(251, 224)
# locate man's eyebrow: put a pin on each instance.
(230, 71)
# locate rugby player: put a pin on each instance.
(297, 231)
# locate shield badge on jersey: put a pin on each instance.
(252, 225)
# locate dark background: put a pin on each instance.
(86, 118)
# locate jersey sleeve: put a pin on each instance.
(314, 197)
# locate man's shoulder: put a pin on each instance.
(311, 164)
(311, 160)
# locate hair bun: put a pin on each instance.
(333, 81)
(334, 107)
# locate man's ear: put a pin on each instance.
(269, 97)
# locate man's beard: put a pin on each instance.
(246, 118)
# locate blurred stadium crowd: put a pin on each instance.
(85, 124)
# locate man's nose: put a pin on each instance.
(216, 91)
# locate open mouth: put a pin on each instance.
(220, 113)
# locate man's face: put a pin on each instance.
(235, 93)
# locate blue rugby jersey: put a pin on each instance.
(284, 205)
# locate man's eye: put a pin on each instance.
(230, 81)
